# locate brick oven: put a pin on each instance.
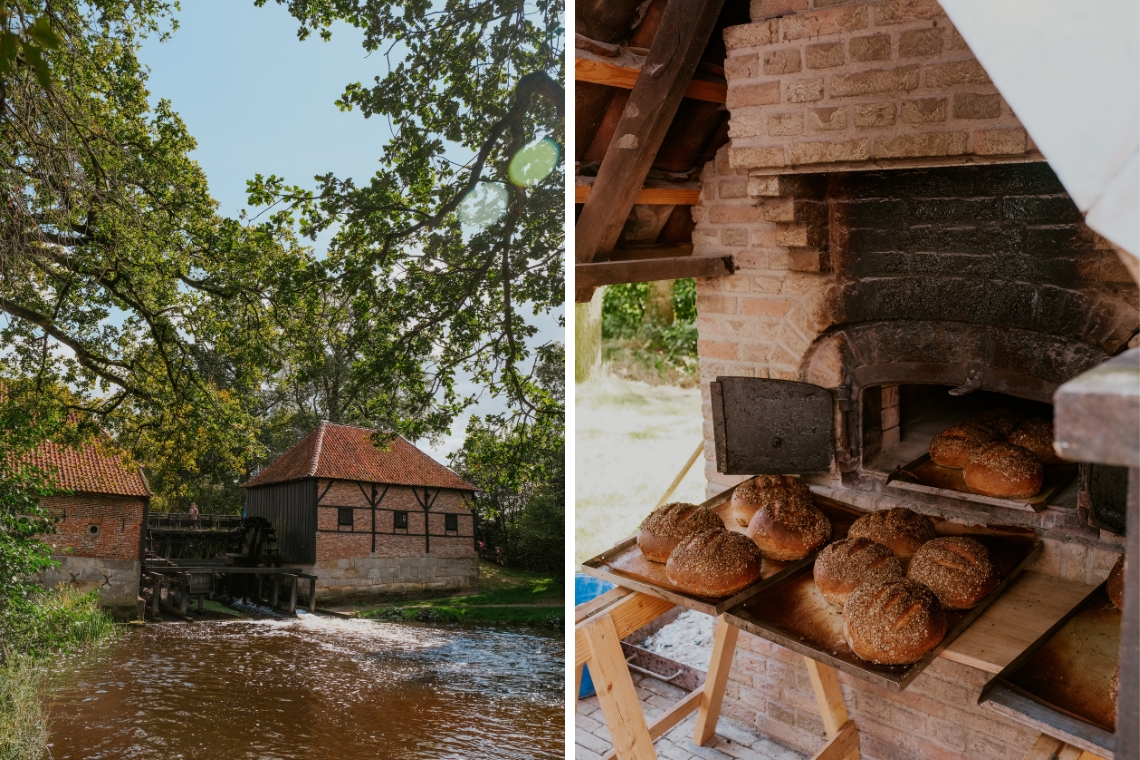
(898, 241)
(367, 522)
(99, 517)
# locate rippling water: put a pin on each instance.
(313, 687)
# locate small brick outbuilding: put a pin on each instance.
(367, 521)
(99, 524)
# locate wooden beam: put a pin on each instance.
(616, 695)
(648, 270)
(843, 746)
(1045, 748)
(828, 695)
(628, 614)
(678, 251)
(623, 72)
(652, 196)
(724, 647)
(671, 717)
(681, 39)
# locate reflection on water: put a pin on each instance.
(313, 687)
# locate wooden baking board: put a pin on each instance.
(795, 615)
(1060, 684)
(626, 566)
(925, 476)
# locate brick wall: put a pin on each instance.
(117, 520)
(815, 83)
(335, 542)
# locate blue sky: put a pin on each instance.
(258, 100)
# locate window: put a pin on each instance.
(344, 517)
(451, 523)
(401, 519)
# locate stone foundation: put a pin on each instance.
(117, 581)
(377, 577)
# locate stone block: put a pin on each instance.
(972, 105)
(923, 110)
(929, 144)
(891, 438)
(874, 115)
(765, 9)
(736, 187)
(954, 73)
(808, 260)
(740, 214)
(873, 47)
(717, 349)
(900, 11)
(751, 35)
(921, 42)
(831, 21)
(785, 124)
(784, 61)
(874, 81)
(988, 142)
(734, 237)
(764, 307)
(742, 66)
(765, 93)
(827, 119)
(755, 158)
(824, 55)
(829, 152)
(803, 91)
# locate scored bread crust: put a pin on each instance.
(1036, 435)
(1115, 584)
(665, 526)
(893, 622)
(714, 563)
(954, 446)
(899, 529)
(1004, 470)
(957, 569)
(789, 530)
(1003, 421)
(751, 495)
(845, 565)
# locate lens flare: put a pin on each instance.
(534, 163)
(483, 206)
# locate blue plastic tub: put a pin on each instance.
(587, 587)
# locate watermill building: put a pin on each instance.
(367, 521)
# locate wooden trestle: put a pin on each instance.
(198, 581)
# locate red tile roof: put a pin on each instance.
(343, 452)
(92, 468)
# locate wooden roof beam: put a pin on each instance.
(673, 57)
(680, 195)
(587, 277)
(623, 72)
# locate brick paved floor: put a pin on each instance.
(732, 740)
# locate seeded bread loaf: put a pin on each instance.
(763, 490)
(1004, 470)
(667, 525)
(954, 446)
(899, 529)
(1003, 421)
(789, 530)
(1036, 435)
(957, 569)
(714, 563)
(893, 622)
(1115, 584)
(845, 565)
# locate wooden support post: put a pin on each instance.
(312, 594)
(843, 746)
(156, 586)
(293, 595)
(260, 590)
(578, 681)
(184, 598)
(276, 591)
(843, 737)
(201, 603)
(616, 695)
(724, 647)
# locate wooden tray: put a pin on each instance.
(793, 614)
(1059, 684)
(626, 566)
(925, 476)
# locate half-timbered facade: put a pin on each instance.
(367, 520)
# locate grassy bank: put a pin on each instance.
(508, 597)
(62, 620)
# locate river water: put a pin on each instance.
(313, 687)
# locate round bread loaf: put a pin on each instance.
(1004, 470)
(893, 622)
(665, 526)
(957, 569)
(789, 530)
(954, 446)
(845, 565)
(1115, 584)
(899, 529)
(1036, 435)
(714, 563)
(1002, 421)
(762, 490)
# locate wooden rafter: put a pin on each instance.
(664, 79)
(680, 195)
(590, 276)
(623, 72)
